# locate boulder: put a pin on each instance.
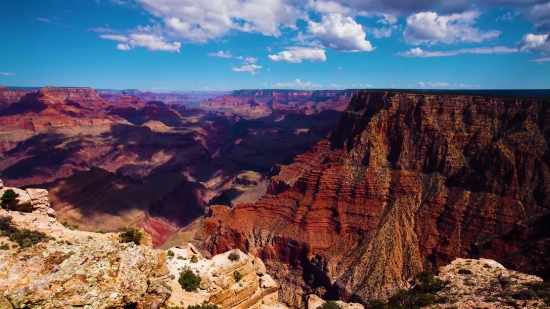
(22, 203)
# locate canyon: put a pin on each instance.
(408, 182)
(112, 159)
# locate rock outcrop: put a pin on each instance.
(219, 284)
(485, 283)
(408, 182)
(71, 268)
(29, 200)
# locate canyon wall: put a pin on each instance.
(407, 182)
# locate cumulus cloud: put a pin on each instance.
(247, 59)
(299, 54)
(7, 73)
(297, 83)
(340, 33)
(431, 28)
(418, 52)
(250, 68)
(221, 54)
(433, 85)
(200, 21)
(150, 41)
(365, 85)
(123, 47)
(535, 43)
(322, 6)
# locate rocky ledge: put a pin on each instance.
(46, 265)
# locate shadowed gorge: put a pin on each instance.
(407, 182)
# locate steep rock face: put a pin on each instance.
(407, 182)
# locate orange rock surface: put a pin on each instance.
(407, 182)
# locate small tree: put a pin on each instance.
(130, 234)
(188, 280)
(194, 259)
(8, 196)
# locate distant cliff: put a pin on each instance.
(260, 103)
(407, 182)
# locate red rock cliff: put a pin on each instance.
(407, 182)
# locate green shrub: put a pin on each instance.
(425, 282)
(8, 196)
(4, 247)
(102, 232)
(6, 226)
(170, 254)
(26, 238)
(376, 304)
(70, 226)
(172, 277)
(194, 259)
(188, 280)
(463, 271)
(330, 305)
(233, 256)
(205, 305)
(130, 234)
(238, 276)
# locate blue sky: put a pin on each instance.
(180, 45)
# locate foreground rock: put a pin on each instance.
(408, 182)
(72, 268)
(219, 285)
(485, 284)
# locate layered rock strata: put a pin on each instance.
(219, 286)
(408, 182)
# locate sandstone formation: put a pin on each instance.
(29, 200)
(408, 182)
(255, 289)
(71, 268)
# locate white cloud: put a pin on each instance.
(334, 86)
(227, 54)
(43, 19)
(384, 32)
(7, 73)
(159, 88)
(418, 52)
(150, 41)
(340, 33)
(430, 28)
(247, 59)
(200, 21)
(540, 15)
(535, 43)
(114, 37)
(506, 17)
(322, 6)
(365, 85)
(123, 47)
(221, 54)
(540, 60)
(433, 85)
(297, 83)
(298, 54)
(465, 86)
(100, 30)
(251, 68)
